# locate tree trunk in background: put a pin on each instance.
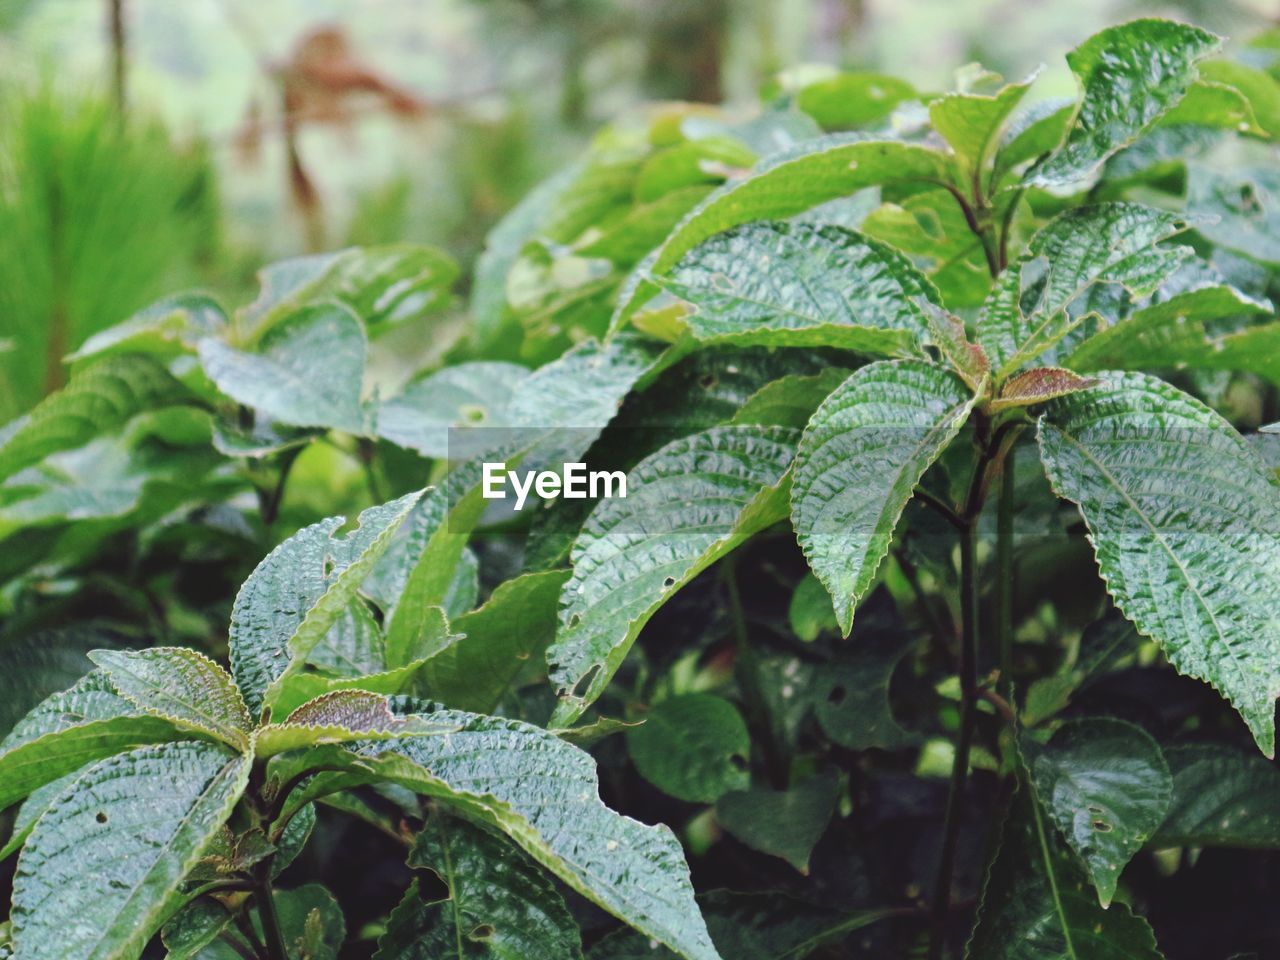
(686, 48)
(58, 344)
(119, 52)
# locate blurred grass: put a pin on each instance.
(98, 219)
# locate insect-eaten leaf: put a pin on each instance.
(694, 747)
(784, 823)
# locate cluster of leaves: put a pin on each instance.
(894, 619)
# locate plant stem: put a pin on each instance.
(942, 632)
(267, 911)
(1005, 575)
(749, 676)
(943, 509)
(245, 925)
(240, 949)
(368, 457)
(960, 767)
(976, 228)
(269, 506)
(1006, 227)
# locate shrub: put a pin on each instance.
(938, 512)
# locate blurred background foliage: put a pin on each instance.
(150, 145)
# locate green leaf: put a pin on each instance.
(193, 928)
(861, 457)
(694, 747)
(70, 729)
(850, 695)
(466, 395)
(1211, 106)
(166, 329)
(1105, 785)
(687, 505)
(311, 926)
(306, 372)
(1037, 904)
(685, 164)
(971, 125)
(647, 224)
(37, 664)
(1185, 522)
(32, 809)
(1222, 797)
(800, 284)
(412, 579)
(1178, 333)
(544, 794)
(298, 688)
(499, 905)
(707, 388)
(181, 686)
(1035, 132)
(1239, 207)
(781, 186)
(791, 400)
(381, 285)
(298, 591)
(589, 734)
(750, 926)
(96, 401)
(556, 414)
(584, 388)
(930, 227)
(810, 611)
(502, 248)
(354, 645)
(1129, 75)
(101, 871)
(784, 823)
(103, 480)
(847, 101)
(498, 641)
(1036, 302)
(1258, 87)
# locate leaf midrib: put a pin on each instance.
(196, 803)
(1192, 585)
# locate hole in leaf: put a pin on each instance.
(738, 761)
(1249, 203)
(668, 583)
(575, 619)
(1102, 826)
(101, 817)
(584, 682)
(431, 889)
(328, 566)
(707, 381)
(484, 931)
(837, 695)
